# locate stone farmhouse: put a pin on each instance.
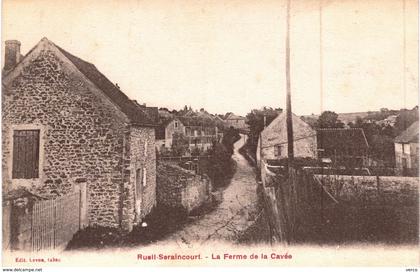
(64, 122)
(272, 144)
(200, 132)
(236, 121)
(407, 150)
(164, 134)
(336, 146)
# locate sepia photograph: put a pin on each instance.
(143, 133)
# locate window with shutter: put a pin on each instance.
(25, 154)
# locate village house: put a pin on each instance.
(334, 146)
(272, 143)
(64, 123)
(236, 121)
(343, 146)
(407, 150)
(165, 132)
(199, 132)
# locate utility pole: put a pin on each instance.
(404, 52)
(321, 59)
(290, 151)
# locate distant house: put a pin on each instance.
(64, 122)
(236, 121)
(166, 131)
(199, 134)
(343, 147)
(407, 149)
(389, 121)
(272, 144)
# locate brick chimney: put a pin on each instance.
(11, 54)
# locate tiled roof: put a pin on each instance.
(232, 116)
(410, 135)
(136, 114)
(152, 112)
(341, 140)
(196, 121)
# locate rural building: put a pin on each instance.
(64, 122)
(389, 121)
(166, 130)
(197, 133)
(272, 144)
(236, 121)
(342, 146)
(407, 149)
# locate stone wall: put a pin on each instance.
(142, 161)
(373, 190)
(82, 135)
(180, 188)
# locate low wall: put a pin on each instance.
(180, 188)
(372, 189)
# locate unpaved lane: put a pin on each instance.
(233, 215)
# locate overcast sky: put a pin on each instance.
(229, 55)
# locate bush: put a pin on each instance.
(230, 136)
(220, 165)
(179, 144)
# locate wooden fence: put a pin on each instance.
(297, 202)
(55, 221)
(279, 201)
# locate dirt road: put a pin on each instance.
(233, 215)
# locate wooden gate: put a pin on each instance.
(55, 221)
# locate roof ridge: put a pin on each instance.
(135, 113)
(339, 128)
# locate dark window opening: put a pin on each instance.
(25, 154)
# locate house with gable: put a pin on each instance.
(236, 121)
(165, 132)
(272, 143)
(199, 130)
(407, 150)
(64, 122)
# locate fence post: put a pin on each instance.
(81, 188)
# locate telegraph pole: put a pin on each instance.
(404, 52)
(321, 59)
(290, 151)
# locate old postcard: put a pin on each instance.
(210, 133)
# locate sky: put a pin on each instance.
(228, 56)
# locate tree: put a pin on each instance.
(405, 119)
(255, 120)
(329, 119)
(179, 144)
(230, 136)
(382, 149)
(220, 165)
(380, 140)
